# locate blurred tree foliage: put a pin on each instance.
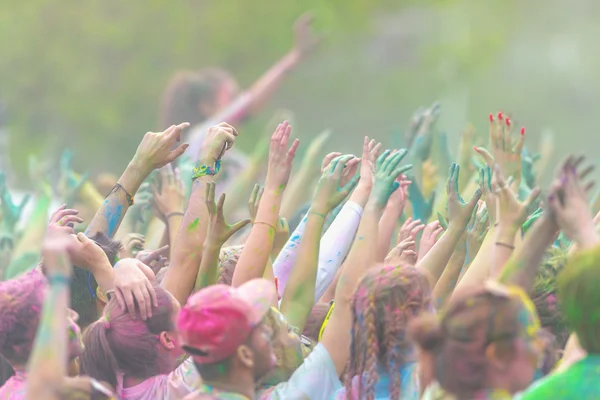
(90, 75)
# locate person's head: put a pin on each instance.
(21, 302)
(579, 298)
(386, 300)
(225, 331)
(195, 97)
(544, 296)
(83, 285)
(487, 338)
(289, 347)
(227, 261)
(140, 349)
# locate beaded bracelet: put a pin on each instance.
(59, 279)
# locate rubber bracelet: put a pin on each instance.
(58, 279)
(508, 246)
(172, 214)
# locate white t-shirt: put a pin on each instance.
(315, 379)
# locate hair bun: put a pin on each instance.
(426, 332)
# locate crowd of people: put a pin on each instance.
(355, 277)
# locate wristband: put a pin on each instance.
(59, 279)
(203, 170)
(317, 214)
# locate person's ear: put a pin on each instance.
(246, 356)
(166, 341)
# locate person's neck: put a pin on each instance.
(243, 385)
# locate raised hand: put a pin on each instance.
(489, 193)
(403, 253)
(430, 176)
(169, 193)
(219, 230)
(528, 167)
(476, 232)
(10, 212)
(459, 212)
(370, 153)
(506, 151)
(305, 40)
(133, 285)
(218, 140)
(568, 202)
(155, 259)
(132, 244)
(155, 149)
(431, 233)
(409, 226)
(330, 192)
(63, 220)
(387, 169)
(422, 209)
(280, 158)
(69, 184)
(424, 139)
(254, 201)
(512, 212)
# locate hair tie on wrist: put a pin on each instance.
(172, 214)
(508, 246)
(264, 223)
(317, 214)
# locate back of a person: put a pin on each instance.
(13, 389)
(580, 381)
(409, 385)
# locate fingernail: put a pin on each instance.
(500, 116)
(491, 117)
(523, 131)
(476, 148)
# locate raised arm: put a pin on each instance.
(258, 246)
(389, 219)
(336, 337)
(459, 214)
(298, 298)
(48, 362)
(181, 275)
(153, 152)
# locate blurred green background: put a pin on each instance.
(89, 75)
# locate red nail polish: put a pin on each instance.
(491, 117)
(523, 131)
(476, 149)
(500, 115)
(507, 121)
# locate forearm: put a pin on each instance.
(268, 83)
(173, 225)
(335, 245)
(257, 249)
(282, 266)
(299, 295)
(436, 259)
(154, 233)
(208, 273)
(104, 276)
(387, 225)
(183, 271)
(522, 267)
(447, 282)
(479, 270)
(113, 209)
(503, 247)
(48, 361)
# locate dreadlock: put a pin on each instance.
(386, 299)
